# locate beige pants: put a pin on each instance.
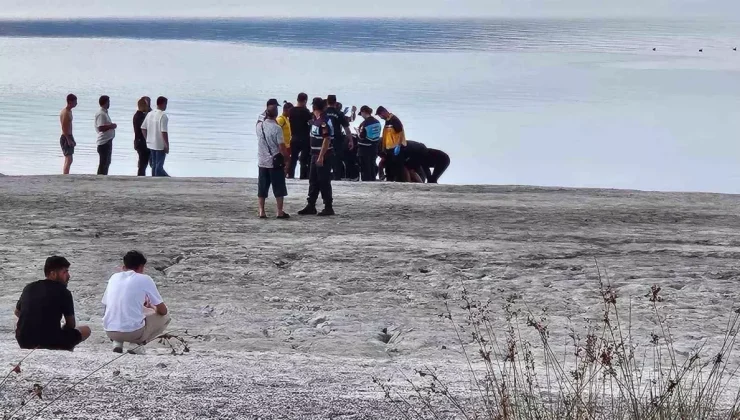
(155, 325)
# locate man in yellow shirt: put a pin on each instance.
(284, 122)
(394, 145)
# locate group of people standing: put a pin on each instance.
(151, 138)
(320, 145)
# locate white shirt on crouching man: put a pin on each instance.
(135, 312)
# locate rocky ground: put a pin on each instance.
(291, 313)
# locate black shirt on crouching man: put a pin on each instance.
(322, 157)
(41, 308)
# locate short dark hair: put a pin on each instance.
(318, 104)
(133, 260)
(71, 97)
(302, 97)
(366, 109)
(104, 100)
(380, 110)
(331, 99)
(55, 263)
(161, 101)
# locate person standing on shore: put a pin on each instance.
(300, 142)
(394, 143)
(322, 155)
(134, 310)
(67, 140)
(143, 108)
(154, 129)
(42, 306)
(283, 120)
(368, 143)
(341, 140)
(271, 157)
(106, 131)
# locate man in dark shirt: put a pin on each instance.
(41, 308)
(368, 143)
(300, 127)
(340, 141)
(322, 155)
(415, 156)
(438, 160)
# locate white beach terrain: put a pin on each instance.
(292, 311)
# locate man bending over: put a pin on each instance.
(134, 310)
(41, 308)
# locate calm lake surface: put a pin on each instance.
(584, 103)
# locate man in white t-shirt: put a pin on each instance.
(134, 310)
(154, 129)
(106, 131)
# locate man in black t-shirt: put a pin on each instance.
(41, 308)
(300, 128)
(341, 141)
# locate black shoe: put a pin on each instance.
(284, 216)
(328, 211)
(308, 210)
(118, 350)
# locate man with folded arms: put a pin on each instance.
(134, 310)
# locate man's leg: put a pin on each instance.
(313, 188)
(155, 325)
(263, 188)
(305, 160)
(325, 177)
(67, 164)
(143, 161)
(295, 152)
(338, 164)
(439, 168)
(279, 189)
(162, 158)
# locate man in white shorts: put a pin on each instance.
(134, 310)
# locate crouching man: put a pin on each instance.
(41, 308)
(134, 310)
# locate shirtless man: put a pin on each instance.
(67, 141)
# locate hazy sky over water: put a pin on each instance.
(383, 8)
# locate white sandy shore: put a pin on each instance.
(291, 310)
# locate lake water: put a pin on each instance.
(584, 103)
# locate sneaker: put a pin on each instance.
(140, 350)
(328, 211)
(118, 347)
(309, 210)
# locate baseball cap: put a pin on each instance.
(317, 101)
(380, 109)
(331, 99)
(273, 101)
(366, 110)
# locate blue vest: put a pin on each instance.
(317, 137)
(373, 131)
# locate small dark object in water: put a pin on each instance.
(734, 49)
(655, 49)
(701, 50)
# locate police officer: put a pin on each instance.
(322, 157)
(341, 142)
(368, 143)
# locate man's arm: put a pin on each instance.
(68, 310)
(165, 136)
(324, 144)
(107, 127)
(397, 124)
(161, 309)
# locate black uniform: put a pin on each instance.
(319, 179)
(368, 143)
(338, 120)
(438, 160)
(300, 145)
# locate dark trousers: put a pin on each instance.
(338, 164)
(368, 168)
(440, 166)
(351, 167)
(319, 180)
(143, 160)
(105, 151)
(300, 154)
(394, 167)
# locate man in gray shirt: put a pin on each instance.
(271, 152)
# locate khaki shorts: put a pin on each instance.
(154, 326)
